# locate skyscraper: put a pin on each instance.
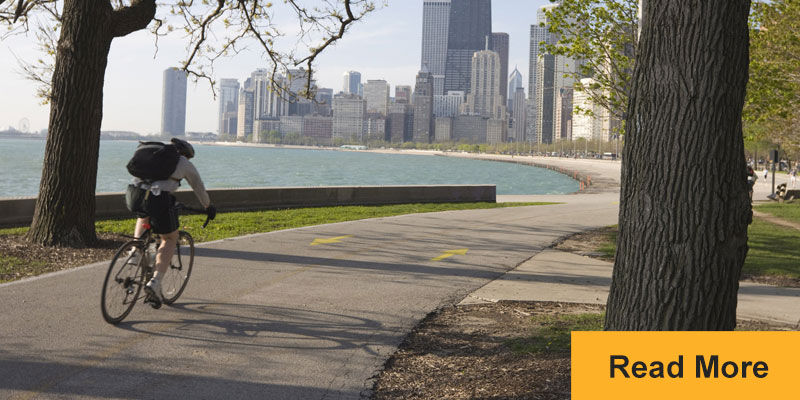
(553, 74)
(484, 98)
(173, 103)
(423, 107)
(514, 82)
(228, 102)
(500, 46)
(538, 35)
(402, 93)
(268, 101)
(519, 117)
(349, 114)
(376, 93)
(352, 81)
(469, 29)
(245, 116)
(435, 21)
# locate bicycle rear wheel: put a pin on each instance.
(123, 282)
(180, 268)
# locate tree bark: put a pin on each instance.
(684, 206)
(65, 209)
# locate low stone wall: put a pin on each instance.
(19, 211)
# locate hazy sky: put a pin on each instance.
(385, 45)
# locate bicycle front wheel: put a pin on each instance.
(180, 268)
(123, 282)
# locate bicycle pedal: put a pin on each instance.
(152, 301)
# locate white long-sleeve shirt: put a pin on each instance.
(184, 170)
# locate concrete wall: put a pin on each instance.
(19, 211)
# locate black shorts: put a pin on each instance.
(163, 217)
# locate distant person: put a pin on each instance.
(766, 171)
(793, 175)
(751, 180)
(160, 212)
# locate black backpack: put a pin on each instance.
(154, 161)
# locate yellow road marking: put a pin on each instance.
(450, 253)
(329, 240)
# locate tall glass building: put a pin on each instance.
(435, 22)
(173, 103)
(469, 31)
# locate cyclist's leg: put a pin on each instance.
(165, 252)
(140, 223)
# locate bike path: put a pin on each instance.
(271, 315)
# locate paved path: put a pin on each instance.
(270, 316)
(554, 275)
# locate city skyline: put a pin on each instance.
(133, 78)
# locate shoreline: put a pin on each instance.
(593, 175)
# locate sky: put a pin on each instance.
(385, 45)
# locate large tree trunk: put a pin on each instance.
(684, 206)
(65, 209)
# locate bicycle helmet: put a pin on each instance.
(184, 148)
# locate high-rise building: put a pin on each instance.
(500, 46)
(173, 103)
(545, 98)
(402, 93)
(469, 30)
(349, 114)
(228, 102)
(319, 128)
(352, 81)
(323, 102)
(376, 93)
(423, 107)
(448, 105)
(400, 124)
(562, 126)
(435, 22)
(519, 115)
(484, 98)
(245, 115)
(469, 128)
(538, 35)
(443, 129)
(553, 73)
(514, 83)
(269, 98)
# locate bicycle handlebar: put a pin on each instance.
(181, 206)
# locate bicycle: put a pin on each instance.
(133, 266)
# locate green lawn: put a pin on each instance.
(552, 333)
(789, 212)
(225, 226)
(774, 250)
(242, 223)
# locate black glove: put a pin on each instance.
(211, 211)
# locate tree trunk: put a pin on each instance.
(684, 206)
(65, 209)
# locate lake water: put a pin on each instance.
(229, 167)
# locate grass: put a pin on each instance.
(609, 248)
(774, 250)
(787, 211)
(552, 333)
(242, 223)
(9, 264)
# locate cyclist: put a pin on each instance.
(162, 216)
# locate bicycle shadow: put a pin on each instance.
(261, 326)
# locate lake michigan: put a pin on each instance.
(234, 166)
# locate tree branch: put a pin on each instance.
(133, 18)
